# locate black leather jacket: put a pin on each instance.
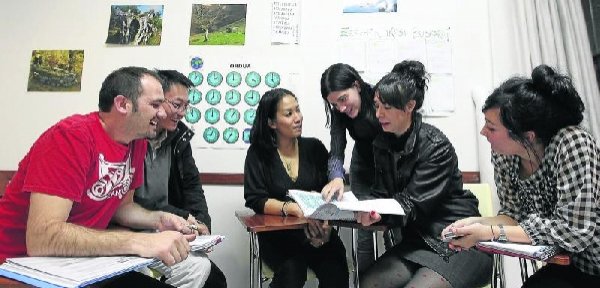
(423, 176)
(185, 188)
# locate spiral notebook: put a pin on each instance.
(535, 252)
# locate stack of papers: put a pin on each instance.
(536, 252)
(69, 271)
(82, 271)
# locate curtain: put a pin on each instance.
(551, 32)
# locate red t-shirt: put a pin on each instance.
(75, 159)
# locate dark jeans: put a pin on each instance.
(131, 279)
(289, 255)
(553, 275)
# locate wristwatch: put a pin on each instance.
(502, 235)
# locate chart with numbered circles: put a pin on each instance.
(223, 103)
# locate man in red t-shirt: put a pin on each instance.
(80, 175)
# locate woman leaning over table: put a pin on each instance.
(279, 159)
(416, 165)
(547, 170)
(349, 107)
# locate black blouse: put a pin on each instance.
(267, 178)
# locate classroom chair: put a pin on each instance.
(257, 223)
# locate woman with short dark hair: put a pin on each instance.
(416, 165)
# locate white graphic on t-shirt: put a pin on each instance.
(114, 179)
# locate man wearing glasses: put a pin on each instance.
(172, 182)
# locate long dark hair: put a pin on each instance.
(262, 135)
(544, 104)
(407, 81)
(340, 77)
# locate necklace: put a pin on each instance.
(290, 164)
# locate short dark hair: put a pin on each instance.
(340, 77)
(124, 81)
(544, 104)
(262, 136)
(407, 81)
(172, 77)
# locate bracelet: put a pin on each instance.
(493, 236)
(283, 212)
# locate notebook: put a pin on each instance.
(535, 252)
(69, 272)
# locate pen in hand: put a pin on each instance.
(193, 227)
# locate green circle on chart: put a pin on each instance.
(214, 78)
(272, 79)
(249, 116)
(211, 135)
(252, 97)
(196, 77)
(253, 79)
(212, 115)
(213, 97)
(233, 97)
(231, 116)
(194, 96)
(233, 79)
(193, 115)
(231, 135)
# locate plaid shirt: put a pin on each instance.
(559, 204)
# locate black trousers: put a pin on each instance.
(131, 279)
(289, 254)
(552, 275)
(216, 278)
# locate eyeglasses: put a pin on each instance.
(179, 107)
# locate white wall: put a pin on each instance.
(74, 24)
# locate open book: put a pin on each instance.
(82, 271)
(313, 206)
(535, 252)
